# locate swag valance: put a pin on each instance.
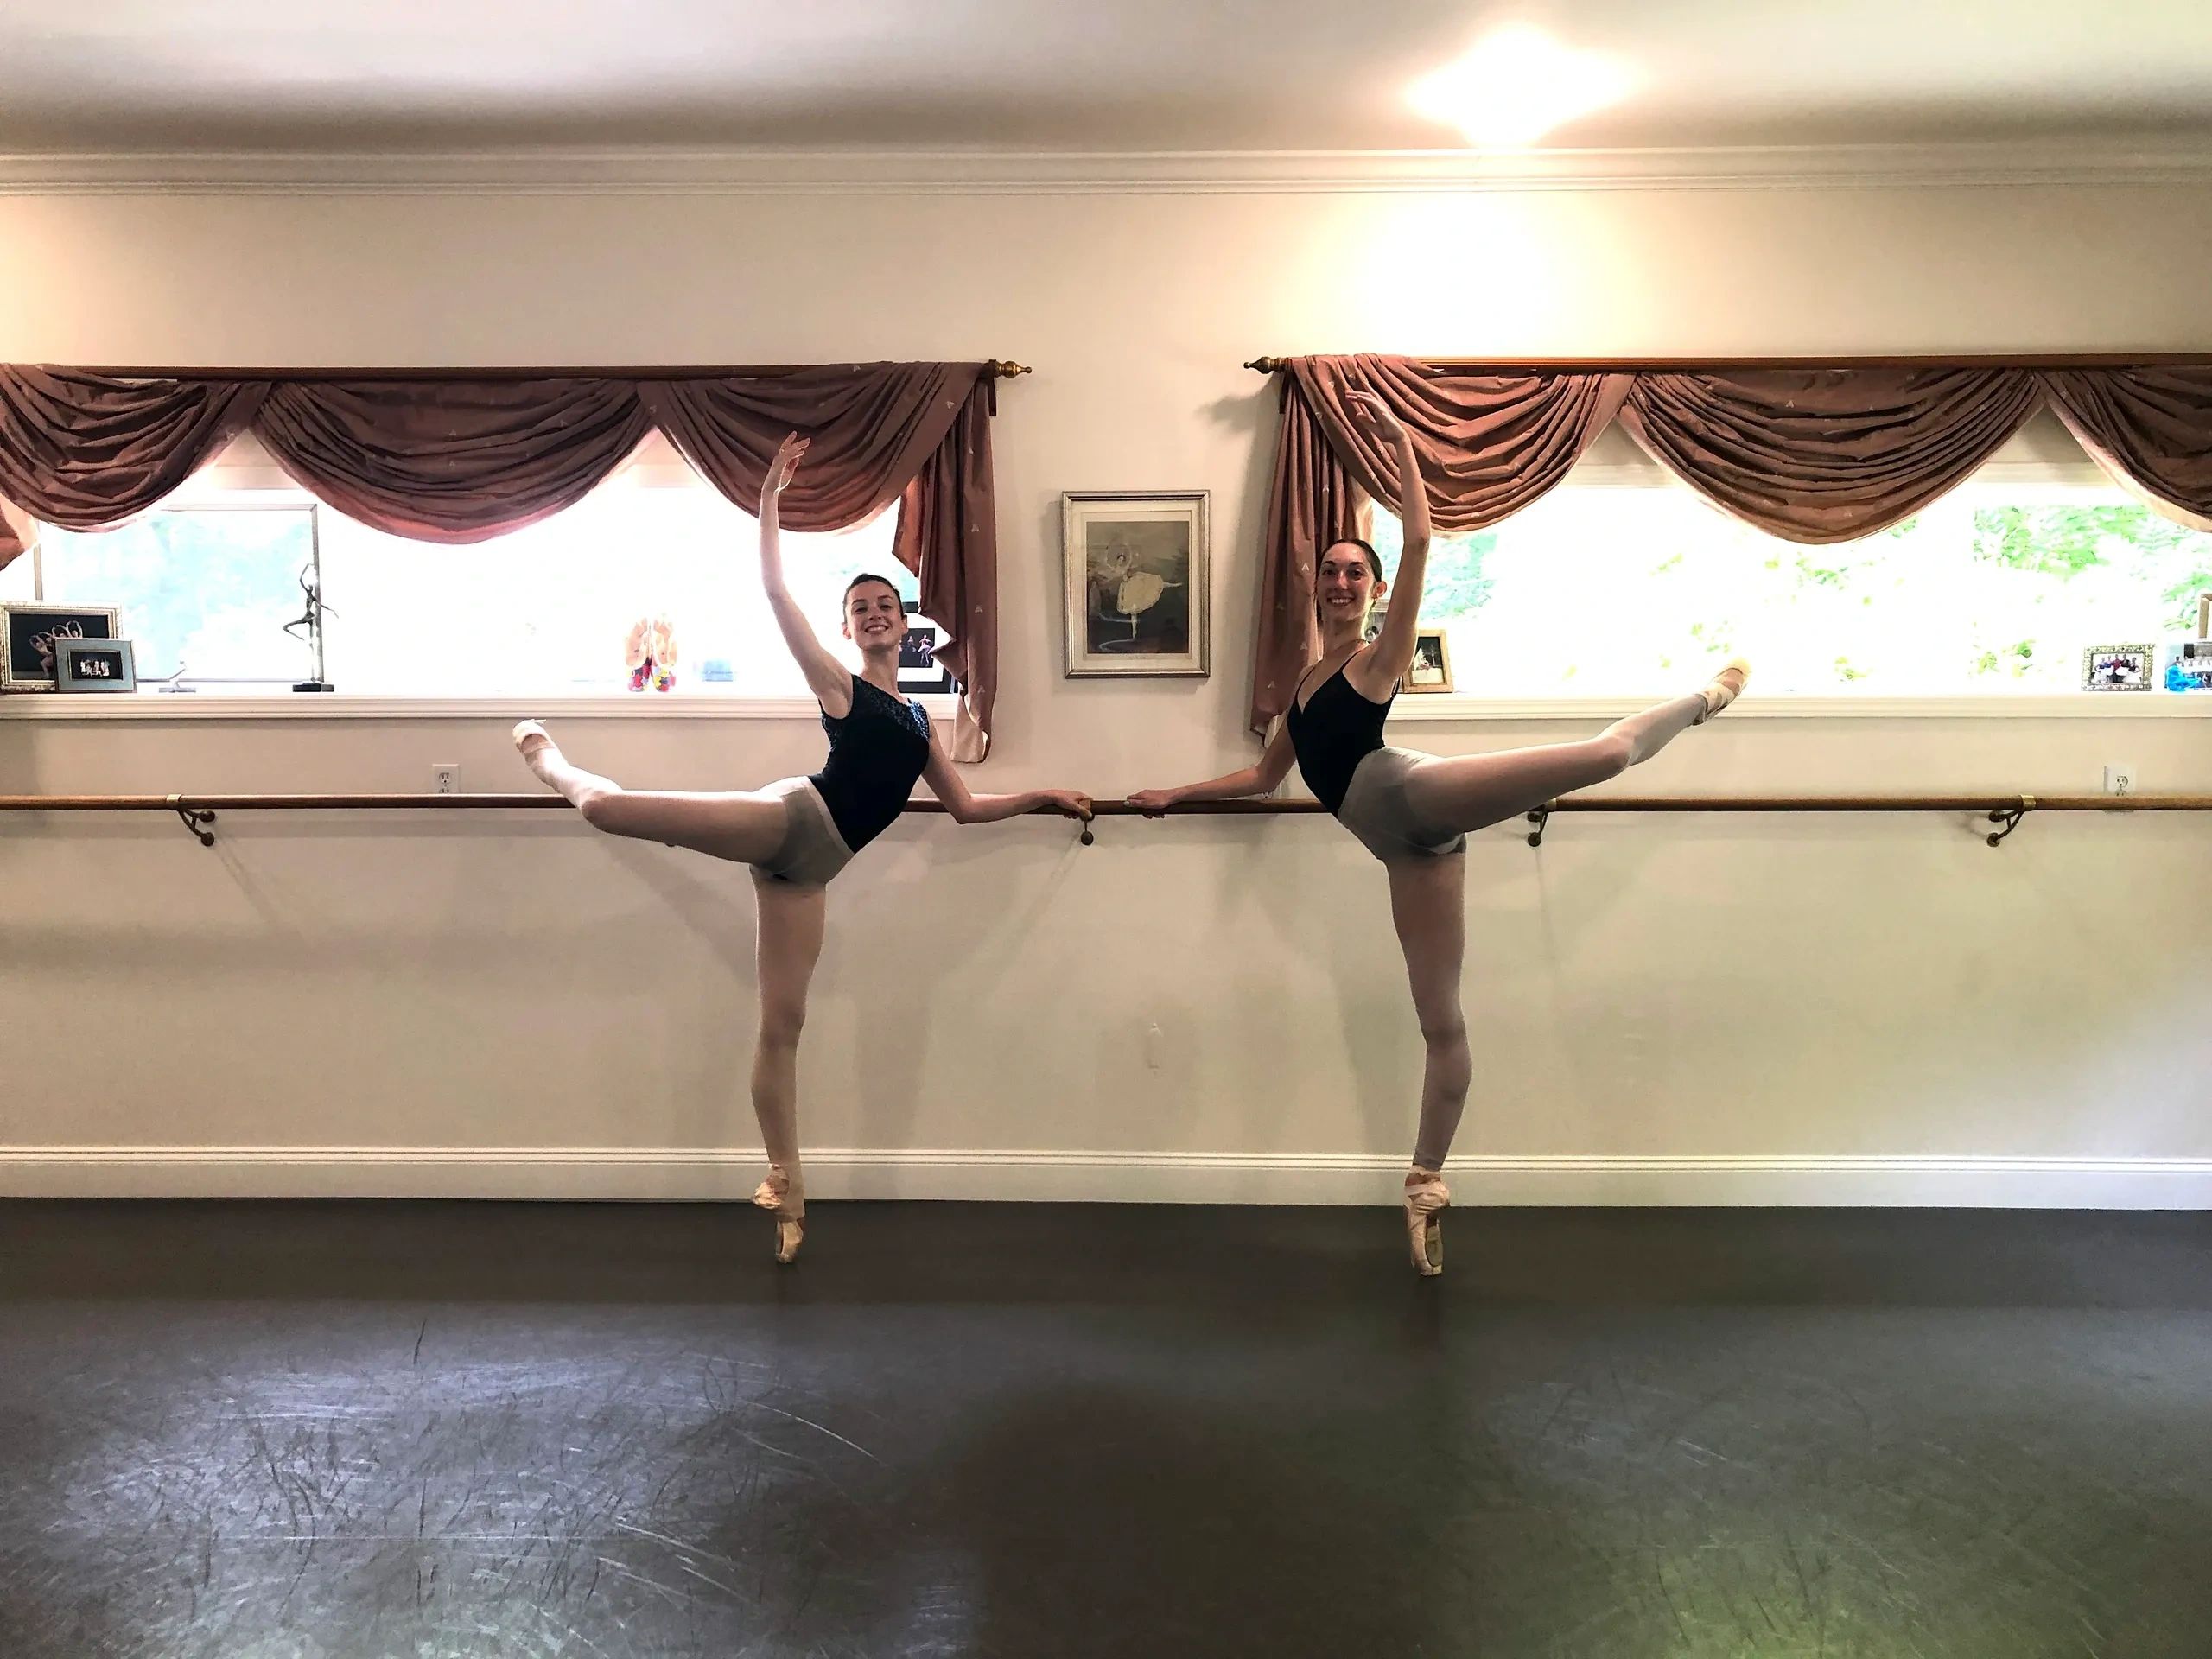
(1808, 453)
(461, 458)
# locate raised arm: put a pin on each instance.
(1384, 663)
(1258, 778)
(830, 680)
(965, 806)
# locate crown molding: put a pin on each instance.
(793, 172)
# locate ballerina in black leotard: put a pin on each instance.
(799, 833)
(1413, 811)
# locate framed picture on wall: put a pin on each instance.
(920, 674)
(2117, 668)
(28, 639)
(1138, 575)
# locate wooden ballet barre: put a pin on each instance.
(196, 812)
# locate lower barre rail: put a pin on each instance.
(197, 812)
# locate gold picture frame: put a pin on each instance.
(1138, 574)
(1430, 673)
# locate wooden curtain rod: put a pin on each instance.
(1003, 369)
(1595, 364)
(198, 811)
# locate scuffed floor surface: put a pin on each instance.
(282, 1431)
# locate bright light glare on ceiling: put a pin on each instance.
(1516, 84)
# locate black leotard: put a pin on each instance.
(1335, 730)
(876, 752)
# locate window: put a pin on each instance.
(1621, 583)
(209, 582)
(547, 609)
(206, 589)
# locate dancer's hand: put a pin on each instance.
(1152, 802)
(784, 465)
(1375, 414)
(1071, 802)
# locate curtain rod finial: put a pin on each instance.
(1268, 364)
(1006, 369)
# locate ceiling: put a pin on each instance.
(1127, 75)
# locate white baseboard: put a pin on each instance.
(694, 1173)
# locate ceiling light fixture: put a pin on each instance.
(1516, 84)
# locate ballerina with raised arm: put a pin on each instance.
(799, 833)
(1414, 812)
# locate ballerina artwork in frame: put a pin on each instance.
(1138, 579)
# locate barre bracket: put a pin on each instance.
(195, 820)
(2010, 817)
(1538, 818)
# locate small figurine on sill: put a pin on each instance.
(649, 652)
(664, 648)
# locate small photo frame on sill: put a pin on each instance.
(1431, 670)
(920, 674)
(29, 632)
(2119, 668)
(94, 666)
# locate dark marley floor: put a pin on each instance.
(253, 1430)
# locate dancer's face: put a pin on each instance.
(875, 617)
(1345, 586)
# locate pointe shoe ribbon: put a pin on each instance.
(774, 1195)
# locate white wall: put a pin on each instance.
(1691, 1010)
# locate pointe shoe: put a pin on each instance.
(1426, 1196)
(530, 735)
(774, 1195)
(1727, 685)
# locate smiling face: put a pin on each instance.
(875, 617)
(1348, 582)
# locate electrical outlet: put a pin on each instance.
(445, 777)
(2119, 779)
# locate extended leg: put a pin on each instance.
(743, 828)
(1471, 792)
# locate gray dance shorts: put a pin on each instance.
(1376, 810)
(812, 850)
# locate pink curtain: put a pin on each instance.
(2150, 429)
(1811, 455)
(451, 461)
(1823, 455)
(457, 460)
(949, 505)
(85, 451)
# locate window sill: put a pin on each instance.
(1420, 708)
(338, 706)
